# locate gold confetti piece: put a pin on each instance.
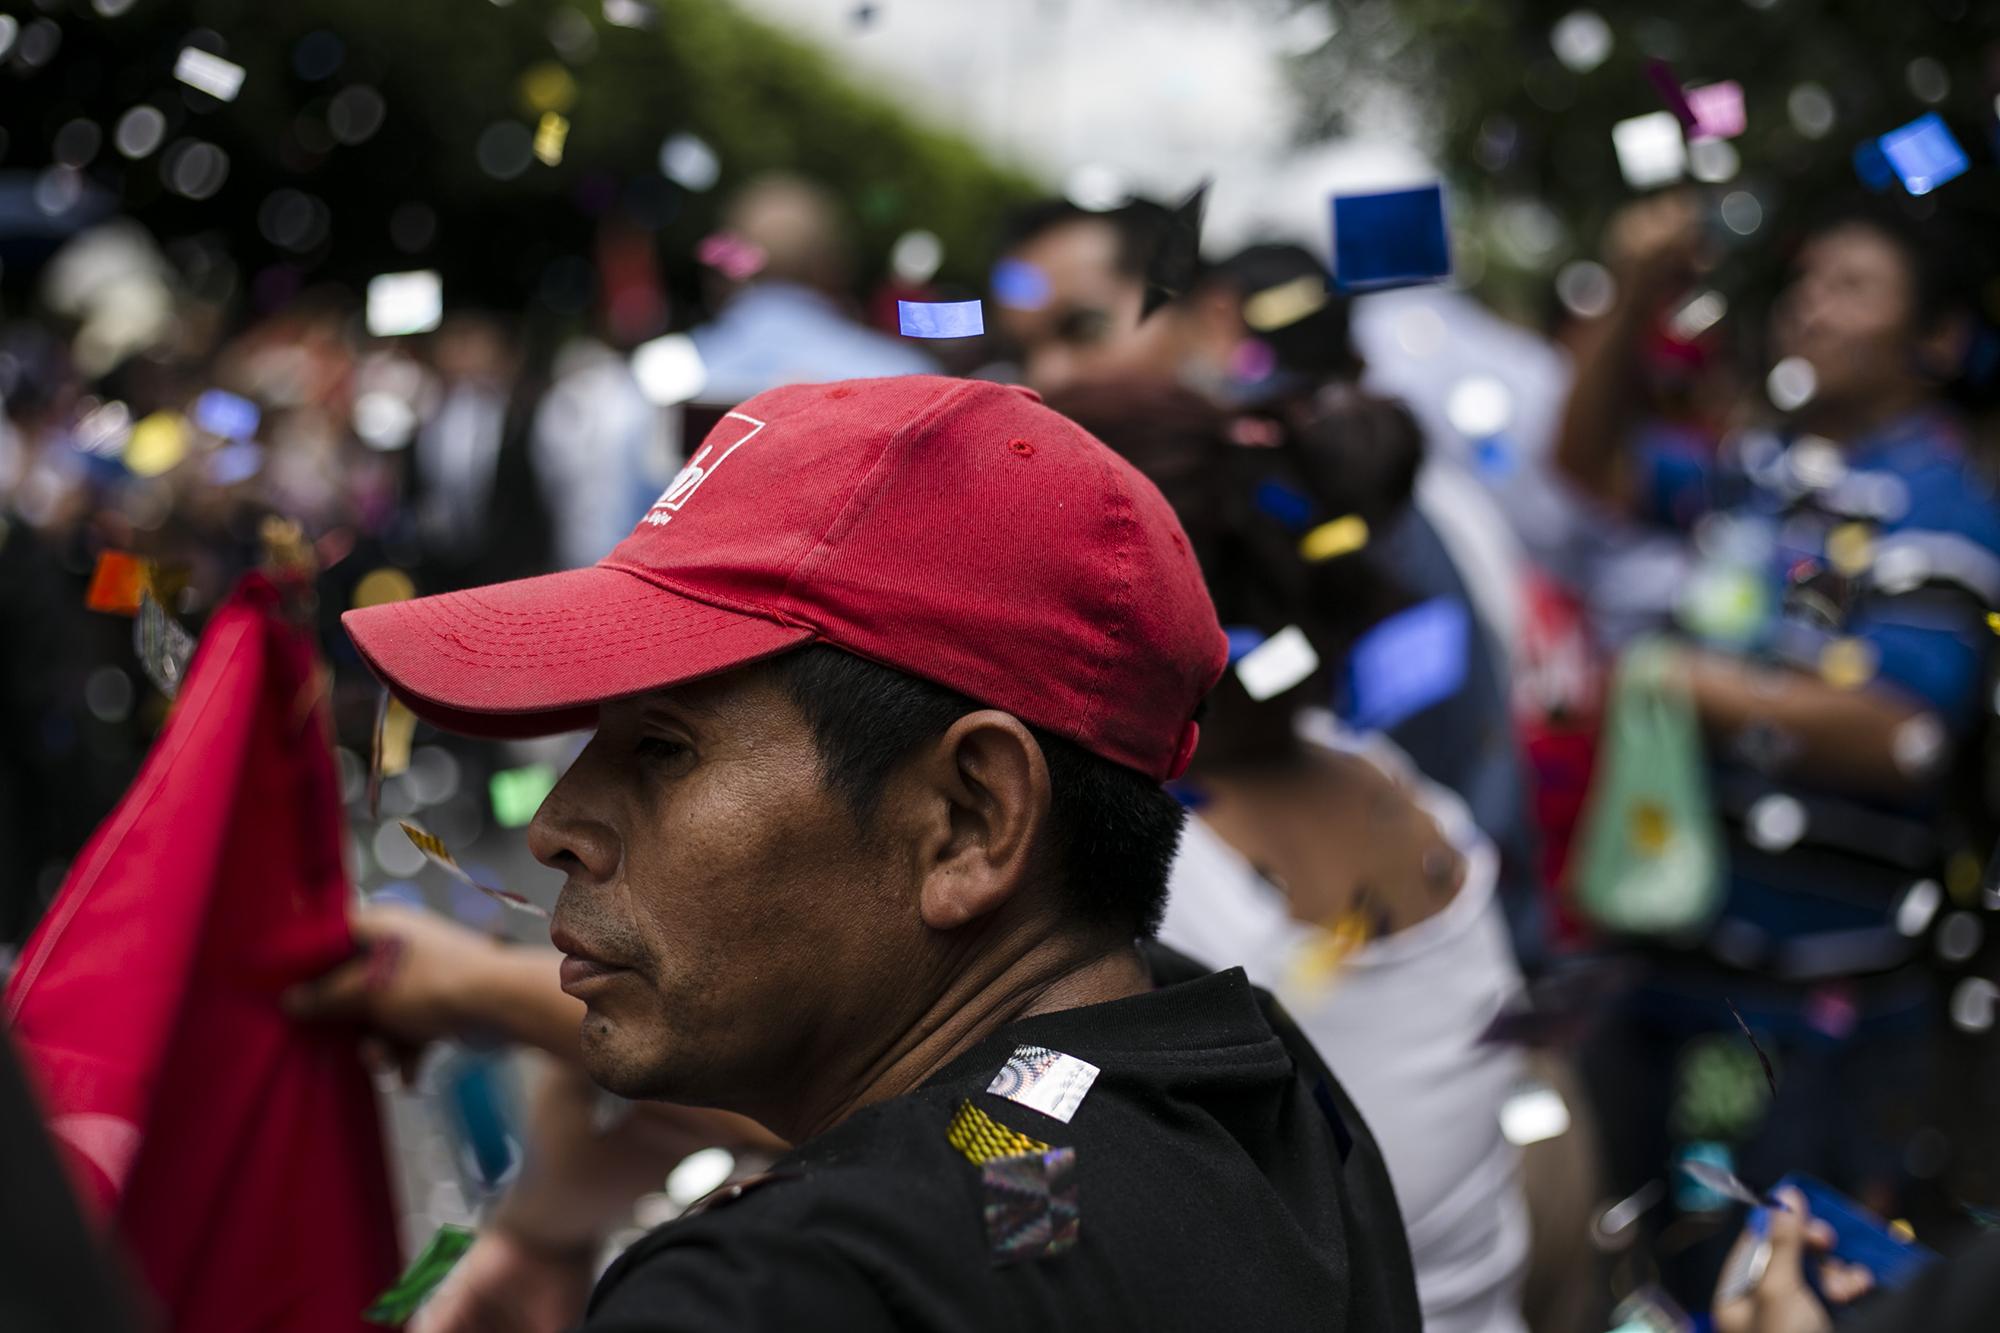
(436, 853)
(550, 135)
(1961, 877)
(1313, 967)
(389, 754)
(1902, 1230)
(1850, 548)
(378, 587)
(1651, 826)
(1337, 537)
(1847, 664)
(398, 729)
(159, 442)
(1285, 304)
(983, 1139)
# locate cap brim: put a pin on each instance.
(539, 655)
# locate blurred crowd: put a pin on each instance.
(1619, 782)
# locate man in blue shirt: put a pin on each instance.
(786, 325)
(1846, 559)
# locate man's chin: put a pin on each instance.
(619, 1064)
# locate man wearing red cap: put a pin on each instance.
(885, 687)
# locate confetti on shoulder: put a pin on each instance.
(435, 851)
(940, 319)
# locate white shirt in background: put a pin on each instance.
(1398, 1025)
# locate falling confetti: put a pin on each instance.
(551, 132)
(1285, 304)
(389, 754)
(1712, 1177)
(1341, 536)
(1176, 260)
(440, 1254)
(1661, 75)
(940, 319)
(1278, 664)
(438, 855)
(118, 583)
(1769, 1076)
(164, 647)
(404, 303)
(1847, 664)
(219, 78)
(1391, 239)
(1315, 966)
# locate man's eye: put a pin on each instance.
(1084, 326)
(660, 749)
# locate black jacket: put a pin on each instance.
(1220, 1178)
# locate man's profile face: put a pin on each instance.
(1089, 327)
(724, 915)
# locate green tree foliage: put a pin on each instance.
(448, 70)
(1520, 131)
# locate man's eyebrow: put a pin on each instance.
(682, 703)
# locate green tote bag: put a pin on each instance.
(1650, 859)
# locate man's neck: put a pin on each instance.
(1052, 976)
(1850, 424)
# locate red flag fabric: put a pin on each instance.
(237, 1154)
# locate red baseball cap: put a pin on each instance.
(953, 529)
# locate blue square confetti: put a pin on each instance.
(1872, 167)
(1923, 154)
(221, 413)
(940, 319)
(1396, 239)
(1019, 285)
(1243, 640)
(1288, 506)
(1410, 661)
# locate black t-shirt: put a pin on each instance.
(1213, 1175)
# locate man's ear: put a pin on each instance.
(984, 786)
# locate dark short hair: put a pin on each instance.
(1944, 263)
(1113, 829)
(1142, 227)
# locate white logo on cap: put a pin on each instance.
(699, 469)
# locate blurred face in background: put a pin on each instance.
(1088, 330)
(1851, 312)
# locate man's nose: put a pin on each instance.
(566, 835)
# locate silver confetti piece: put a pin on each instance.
(163, 646)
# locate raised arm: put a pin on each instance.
(1653, 249)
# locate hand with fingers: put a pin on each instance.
(1781, 1300)
(508, 1284)
(409, 983)
(1656, 246)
